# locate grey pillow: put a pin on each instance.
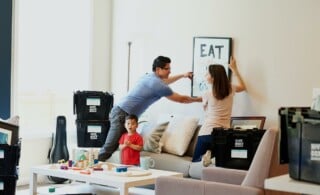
(193, 142)
(152, 138)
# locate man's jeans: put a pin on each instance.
(117, 119)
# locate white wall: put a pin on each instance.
(275, 43)
(101, 44)
(31, 153)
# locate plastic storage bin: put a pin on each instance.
(8, 184)
(92, 105)
(9, 159)
(303, 137)
(235, 148)
(92, 133)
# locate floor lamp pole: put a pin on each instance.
(129, 52)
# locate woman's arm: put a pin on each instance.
(233, 66)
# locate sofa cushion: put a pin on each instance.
(170, 162)
(176, 138)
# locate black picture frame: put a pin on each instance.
(206, 51)
(12, 132)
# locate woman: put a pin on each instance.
(217, 103)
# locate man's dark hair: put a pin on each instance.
(160, 62)
(132, 117)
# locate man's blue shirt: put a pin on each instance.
(148, 90)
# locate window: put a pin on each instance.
(52, 58)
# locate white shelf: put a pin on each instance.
(286, 184)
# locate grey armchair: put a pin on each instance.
(218, 180)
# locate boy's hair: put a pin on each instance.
(132, 117)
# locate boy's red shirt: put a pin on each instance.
(130, 156)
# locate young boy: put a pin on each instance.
(131, 143)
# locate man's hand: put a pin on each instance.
(188, 75)
(174, 78)
(183, 98)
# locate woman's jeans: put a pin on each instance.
(204, 143)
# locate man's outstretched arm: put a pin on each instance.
(183, 98)
(174, 78)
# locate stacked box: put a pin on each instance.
(8, 184)
(92, 109)
(9, 159)
(302, 127)
(92, 105)
(92, 133)
(235, 148)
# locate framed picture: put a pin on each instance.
(248, 122)
(8, 133)
(206, 51)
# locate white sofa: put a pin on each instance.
(172, 162)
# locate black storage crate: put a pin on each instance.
(9, 159)
(92, 105)
(235, 148)
(8, 184)
(303, 137)
(92, 133)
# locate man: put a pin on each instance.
(150, 88)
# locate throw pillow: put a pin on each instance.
(176, 138)
(193, 142)
(151, 136)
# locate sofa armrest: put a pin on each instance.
(224, 175)
(166, 185)
(183, 186)
(230, 189)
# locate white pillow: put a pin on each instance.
(176, 138)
